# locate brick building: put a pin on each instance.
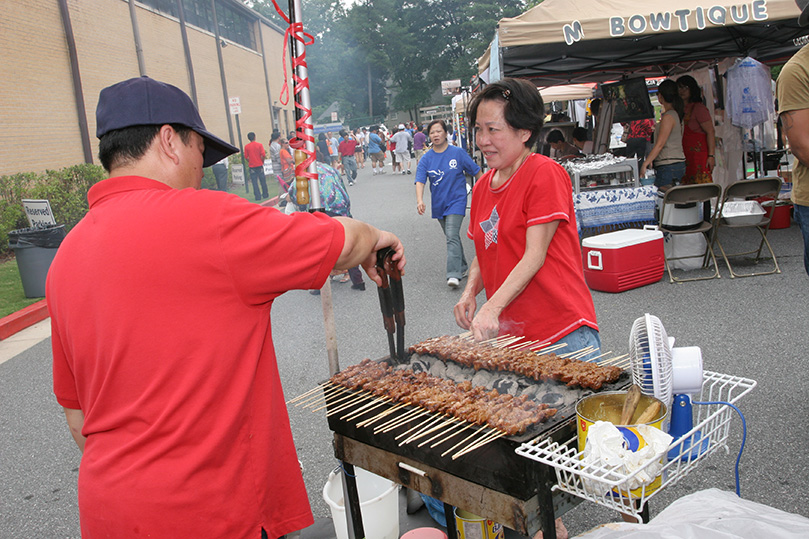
(57, 55)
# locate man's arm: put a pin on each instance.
(795, 124)
(75, 421)
(362, 241)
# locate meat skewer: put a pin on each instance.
(540, 367)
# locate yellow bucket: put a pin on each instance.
(471, 526)
(607, 406)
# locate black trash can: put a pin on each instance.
(34, 249)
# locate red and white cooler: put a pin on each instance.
(623, 260)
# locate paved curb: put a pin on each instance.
(22, 319)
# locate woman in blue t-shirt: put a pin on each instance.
(444, 166)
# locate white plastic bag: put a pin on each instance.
(710, 514)
(677, 245)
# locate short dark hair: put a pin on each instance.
(580, 133)
(274, 136)
(555, 136)
(668, 89)
(374, 128)
(694, 91)
(442, 123)
(121, 146)
(524, 108)
(251, 136)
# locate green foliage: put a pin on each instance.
(404, 49)
(12, 295)
(66, 189)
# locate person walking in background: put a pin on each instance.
(403, 141)
(347, 150)
(444, 167)
(561, 148)
(394, 164)
(287, 164)
(376, 150)
(220, 172)
(275, 156)
(667, 155)
(323, 148)
(792, 90)
(699, 138)
(419, 141)
(580, 141)
(255, 154)
(182, 423)
(359, 153)
(638, 135)
(336, 202)
(333, 150)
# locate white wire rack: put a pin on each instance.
(710, 433)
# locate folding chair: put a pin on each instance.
(747, 190)
(686, 194)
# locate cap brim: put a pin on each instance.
(803, 20)
(216, 149)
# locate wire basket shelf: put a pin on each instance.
(609, 486)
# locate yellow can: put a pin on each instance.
(471, 526)
(607, 406)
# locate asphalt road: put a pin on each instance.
(755, 328)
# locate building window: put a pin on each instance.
(234, 24)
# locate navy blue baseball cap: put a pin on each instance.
(803, 5)
(145, 101)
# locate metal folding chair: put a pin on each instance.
(748, 190)
(686, 194)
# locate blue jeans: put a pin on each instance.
(579, 339)
(669, 174)
(456, 261)
(802, 218)
(256, 176)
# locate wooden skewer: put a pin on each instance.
(548, 349)
(505, 343)
(306, 394)
(364, 409)
(577, 352)
(462, 441)
(446, 434)
(495, 339)
(443, 424)
(327, 393)
(398, 424)
(350, 397)
(613, 360)
(523, 345)
(481, 443)
(592, 359)
(374, 419)
(430, 421)
(465, 335)
(408, 415)
(347, 404)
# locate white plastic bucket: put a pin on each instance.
(379, 503)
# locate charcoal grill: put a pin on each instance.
(492, 480)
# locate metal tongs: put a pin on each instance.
(391, 300)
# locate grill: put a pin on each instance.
(491, 480)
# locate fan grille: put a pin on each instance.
(650, 358)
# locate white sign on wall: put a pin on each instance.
(235, 105)
(39, 212)
(237, 174)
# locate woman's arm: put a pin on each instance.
(420, 206)
(710, 133)
(75, 422)
(465, 308)
(666, 125)
(486, 324)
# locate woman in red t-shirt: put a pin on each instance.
(523, 223)
(699, 143)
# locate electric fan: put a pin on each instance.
(671, 375)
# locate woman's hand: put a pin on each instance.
(486, 324)
(420, 207)
(643, 168)
(710, 163)
(465, 310)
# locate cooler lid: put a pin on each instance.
(622, 238)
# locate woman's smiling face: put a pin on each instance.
(501, 144)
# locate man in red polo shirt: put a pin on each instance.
(254, 152)
(163, 359)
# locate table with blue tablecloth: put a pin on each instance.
(613, 209)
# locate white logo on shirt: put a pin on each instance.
(453, 163)
(436, 175)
